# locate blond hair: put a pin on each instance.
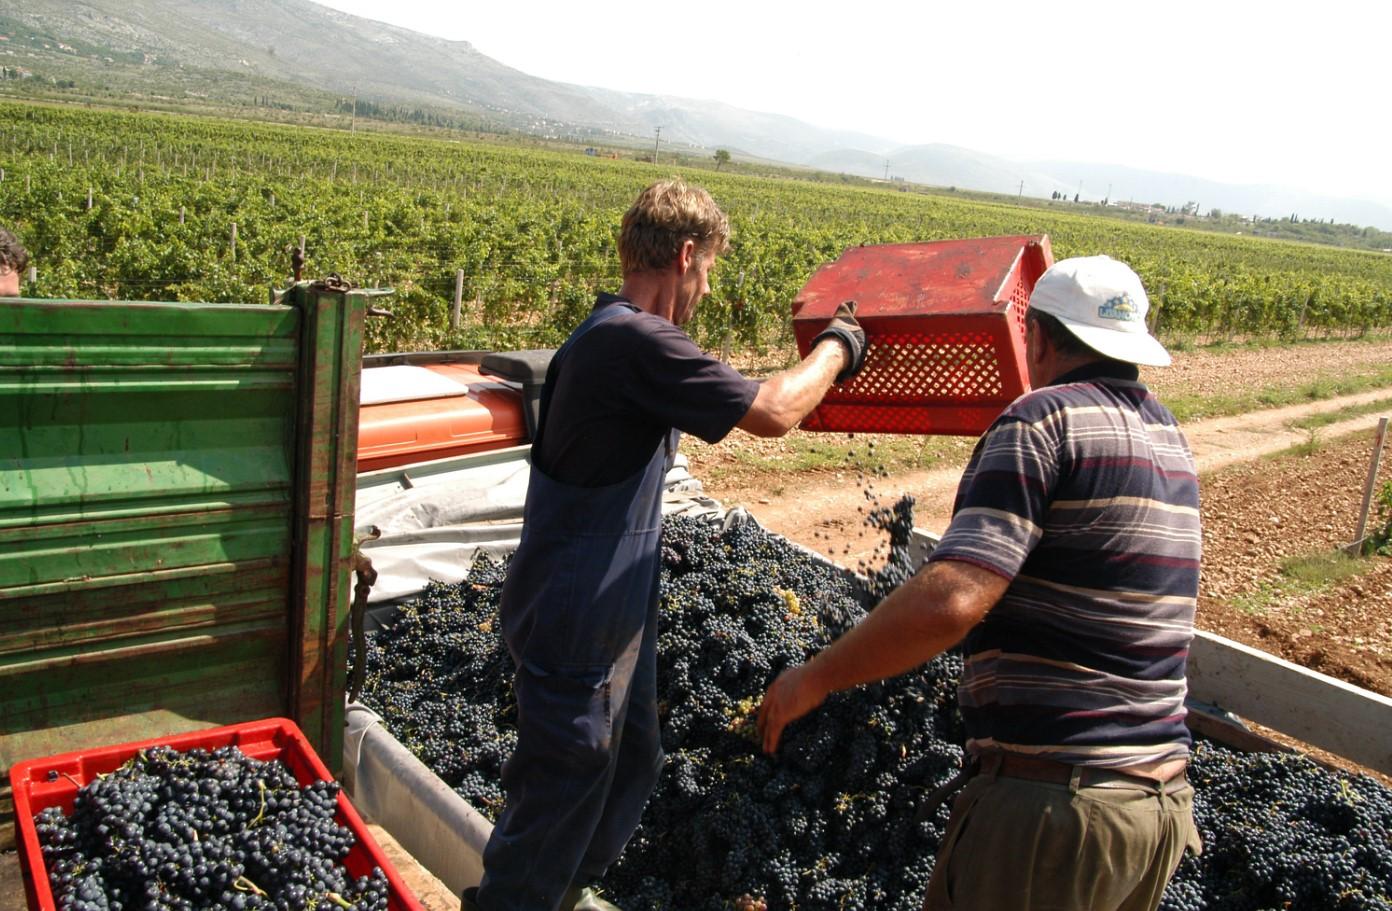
(666, 215)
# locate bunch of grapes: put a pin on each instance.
(1281, 831)
(831, 822)
(172, 831)
(441, 678)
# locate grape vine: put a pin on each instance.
(141, 207)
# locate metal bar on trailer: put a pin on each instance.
(394, 789)
(1313, 708)
(328, 393)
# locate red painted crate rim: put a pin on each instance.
(930, 279)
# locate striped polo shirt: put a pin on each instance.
(1084, 495)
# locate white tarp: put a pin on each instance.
(407, 383)
(435, 518)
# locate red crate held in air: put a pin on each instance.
(273, 738)
(945, 322)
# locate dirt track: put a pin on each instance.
(823, 510)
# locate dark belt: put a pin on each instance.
(1033, 768)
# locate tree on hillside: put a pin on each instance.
(722, 158)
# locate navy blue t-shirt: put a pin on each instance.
(620, 390)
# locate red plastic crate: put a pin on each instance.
(273, 738)
(945, 322)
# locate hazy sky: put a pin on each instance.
(1296, 94)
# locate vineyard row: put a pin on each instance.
(142, 206)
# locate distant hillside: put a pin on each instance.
(178, 48)
(944, 166)
(715, 125)
(952, 166)
(298, 40)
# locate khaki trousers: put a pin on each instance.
(1018, 845)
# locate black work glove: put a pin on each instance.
(844, 328)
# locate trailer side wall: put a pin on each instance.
(174, 518)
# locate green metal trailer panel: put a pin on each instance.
(176, 497)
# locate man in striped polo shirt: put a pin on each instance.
(1069, 573)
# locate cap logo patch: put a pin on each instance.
(1119, 308)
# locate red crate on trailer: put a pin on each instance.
(273, 738)
(945, 322)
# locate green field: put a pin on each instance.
(534, 231)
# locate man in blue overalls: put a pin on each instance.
(579, 607)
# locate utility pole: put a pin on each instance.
(886, 169)
(353, 123)
(656, 140)
(1022, 189)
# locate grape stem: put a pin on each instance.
(261, 814)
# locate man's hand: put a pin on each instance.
(795, 693)
(844, 328)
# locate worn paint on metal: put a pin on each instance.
(173, 476)
(330, 379)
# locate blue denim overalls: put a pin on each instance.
(579, 615)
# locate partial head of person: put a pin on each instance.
(1085, 309)
(674, 232)
(14, 259)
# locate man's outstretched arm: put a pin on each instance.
(926, 615)
(786, 398)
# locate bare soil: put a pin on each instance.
(1258, 509)
(1257, 515)
(1215, 372)
(432, 894)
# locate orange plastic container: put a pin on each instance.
(273, 738)
(418, 412)
(945, 322)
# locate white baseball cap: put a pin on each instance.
(1101, 301)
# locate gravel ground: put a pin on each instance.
(1257, 515)
(1209, 372)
